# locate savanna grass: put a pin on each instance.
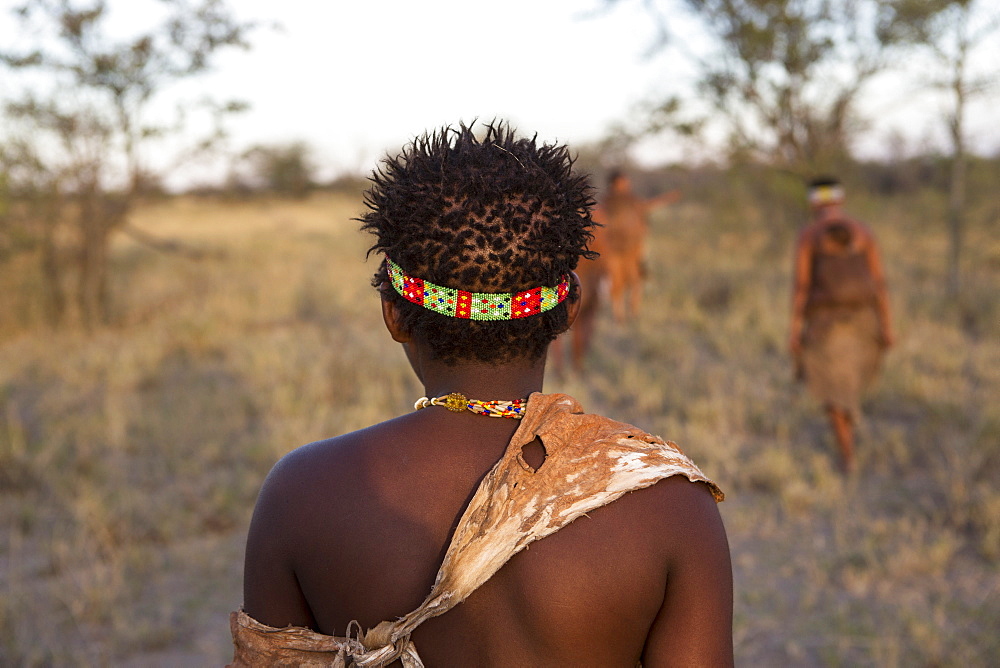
(130, 458)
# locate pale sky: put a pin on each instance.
(357, 78)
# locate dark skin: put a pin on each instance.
(592, 272)
(625, 218)
(356, 527)
(810, 239)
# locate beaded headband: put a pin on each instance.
(829, 194)
(476, 305)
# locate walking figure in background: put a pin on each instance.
(622, 241)
(591, 274)
(840, 324)
(620, 244)
(412, 533)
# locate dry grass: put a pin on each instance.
(130, 459)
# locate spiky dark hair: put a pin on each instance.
(614, 175)
(496, 214)
(823, 180)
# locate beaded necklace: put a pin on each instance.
(457, 403)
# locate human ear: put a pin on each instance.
(573, 307)
(393, 319)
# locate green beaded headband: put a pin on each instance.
(476, 305)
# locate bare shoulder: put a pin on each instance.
(294, 471)
(311, 491)
(808, 234)
(694, 623)
(678, 493)
(664, 526)
(676, 510)
(286, 507)
(859, 226)
(311, 478)
(607, 579)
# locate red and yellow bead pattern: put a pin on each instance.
(476, 305)
(458, 403)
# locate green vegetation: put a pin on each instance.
(130, 458)
(78, 131)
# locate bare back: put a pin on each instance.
(594, 593)
(627, 224)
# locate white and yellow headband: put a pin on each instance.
(826, 194)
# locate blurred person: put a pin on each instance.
(619, 268)
(411, 534)
(624, 217)
(840, 324)
(590, 273)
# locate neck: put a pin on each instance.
(829, 212)
(506, 382)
